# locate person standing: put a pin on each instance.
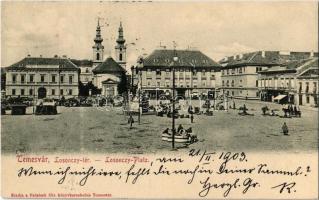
(285, 129)
(131, 120)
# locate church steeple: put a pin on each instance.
(120, 48)
(98, 48)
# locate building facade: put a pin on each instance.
(195, 73)
(107, 76)
(292, 82)
(240, 73)
(307, 84)
(42, 77)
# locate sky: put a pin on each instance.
(217, 28)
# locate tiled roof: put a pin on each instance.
(186, 58)
(108, 66)
(63, 63)
(291, 66)
(80, 63)
(264, 58)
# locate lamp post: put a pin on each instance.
(175, 59)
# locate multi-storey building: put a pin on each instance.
(195, 73)
(307, 84)
(240, 72)
(291, 82)
(43, 77)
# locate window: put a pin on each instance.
(307, 99)
(53, 91)
(158, 84)
(14, 78)
(42, 78)
(307, 87)
(121, 57)
(240, 70)
(87, 70)
(232, 83)
(30, 92)
(148, 83)
(22, 92)
(314, 87)
(300, 87)
(223, 72)
(13, 91)
(70, 79)
(62, 79)
(212, 77)
(70, 91)
(222, 83)
(232, 93)
(181, 75)
(97, 56)
(53, 78)
(22, 78)
(31, 78)
(61, 91)
(256, 83)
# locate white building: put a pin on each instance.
(42, 77)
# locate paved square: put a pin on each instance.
(96, 130)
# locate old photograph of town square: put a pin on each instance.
(152, 77)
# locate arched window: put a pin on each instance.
(97, 56)
(87, 70)
(121, 57)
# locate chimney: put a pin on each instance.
(263, 54)
(29, 55)
(55, 56)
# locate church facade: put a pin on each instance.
(104, 73)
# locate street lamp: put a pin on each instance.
(175, 59)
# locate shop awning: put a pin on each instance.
(279, 97)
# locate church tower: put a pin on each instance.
(120, 48)
(98, 48)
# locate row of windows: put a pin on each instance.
(307, 88)
(180, 84)
(42, 78)
(239, 70)
(31, 92)
(231, 83)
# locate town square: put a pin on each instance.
(114, 85)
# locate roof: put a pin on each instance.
(293, 66)
(80, 63)
(186, 58)
(264, 58)
(63, 63)
(109, 80)
(108, 66)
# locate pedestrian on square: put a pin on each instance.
(131, 120)
(295, 110)
(285, 129)
(192, 118)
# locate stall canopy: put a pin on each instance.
(279, 98)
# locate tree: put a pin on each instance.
(84, 90)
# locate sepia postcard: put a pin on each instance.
(159, 99)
